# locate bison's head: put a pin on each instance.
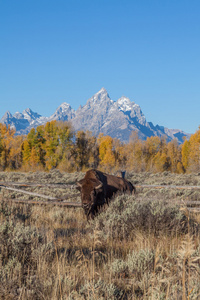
(91, 195)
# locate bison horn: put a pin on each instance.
(99, 186)
(79, 184)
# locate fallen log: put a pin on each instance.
(38, 195)
(29, 184)
(28, 193)
(34, 202)
(63, 202)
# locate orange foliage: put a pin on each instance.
(106, 151)
(55, 145)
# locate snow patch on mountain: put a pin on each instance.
(124, 104)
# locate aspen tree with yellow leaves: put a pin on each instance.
(185, 154)
(134, 153)
(120, 154)
(56, 145)
(151, 148)
(32, 149)
(6, 139)
(174, 154)
(161, 160)
(15, 154)
(51, 144)
(47, 145)
(191, 153)
(106, 152)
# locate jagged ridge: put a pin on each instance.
(100, 114)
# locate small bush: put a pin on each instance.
(21, 249)
(125, 215)
(137, 263)
(101, 290)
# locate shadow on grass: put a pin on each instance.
(68, 232)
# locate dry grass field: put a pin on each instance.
(139, 247)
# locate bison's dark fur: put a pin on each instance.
(97, 188)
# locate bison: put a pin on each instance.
(97, 188)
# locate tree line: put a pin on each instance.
(57, 145)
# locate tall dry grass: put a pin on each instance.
(139, 247)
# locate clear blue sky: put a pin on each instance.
(67, 50)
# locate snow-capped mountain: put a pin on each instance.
(20, 121)
(100, 114)
(63, 113)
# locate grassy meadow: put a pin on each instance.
(141, 246)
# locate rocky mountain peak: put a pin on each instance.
(100, 114)
(102, 91)
(7, 118)
(63, 108)
(65, 105)
(7, 115)
(101, 96)
(64, 112)
(30, 115)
